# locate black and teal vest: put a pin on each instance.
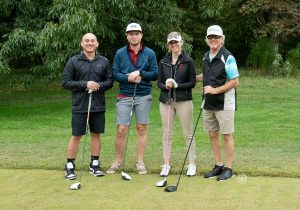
(214, 75)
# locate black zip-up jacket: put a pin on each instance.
(184, 75)
(78, 71)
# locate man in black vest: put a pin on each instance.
(220, 77)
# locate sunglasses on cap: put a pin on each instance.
(172, 42)
(213, 37)
(174, 36)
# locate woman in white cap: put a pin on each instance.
(176, 78)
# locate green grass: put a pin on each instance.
(45, 189)
(35, 129)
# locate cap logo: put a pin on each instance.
(174, 36)
(213, 29)
(133, 27)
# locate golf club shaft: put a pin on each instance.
(190, 144)
(86, 133)
(131, 113)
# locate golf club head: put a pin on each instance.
(125, 176)
(99, 174)
(75, 186)
(171, 188)
(161, 183)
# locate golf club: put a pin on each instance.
(174, 188)
(163, 183)
(124, 175)
(77, 185)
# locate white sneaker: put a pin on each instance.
(165, 170)
(191, 171)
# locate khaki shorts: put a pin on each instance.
(218, 120)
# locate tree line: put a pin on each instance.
(37, 37)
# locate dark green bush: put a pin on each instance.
(261, 55)
(294, 60)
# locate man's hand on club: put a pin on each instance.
(137, 79)
(136, 73)
(134, 77)
(94, 86)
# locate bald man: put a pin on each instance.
(87, 72)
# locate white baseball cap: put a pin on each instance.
(133, 27)
(174, 36)
(214, 30)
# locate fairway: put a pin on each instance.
(35, 129)
(45, 189)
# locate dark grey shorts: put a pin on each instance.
(141, 109)
(96, 123)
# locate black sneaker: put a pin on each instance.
(226, 174)
(95, 168)
(70, 171)
(216, 171)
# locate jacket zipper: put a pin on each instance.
(170, 68)
(175, 71)
(174, 92)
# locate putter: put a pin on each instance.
(163, 183)
(174, 188)
(77, 185)
(124, 175)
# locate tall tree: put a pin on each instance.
(19, 21)
(66, 21)
(200, 14)
(278, 19)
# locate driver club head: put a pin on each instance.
(171, 188)
(161, 183)
(75, 186)
(125, 176)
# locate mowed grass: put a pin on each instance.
(36, 126)
(45, 189)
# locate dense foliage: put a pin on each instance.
(39, 36)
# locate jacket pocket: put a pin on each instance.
(77, 99)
